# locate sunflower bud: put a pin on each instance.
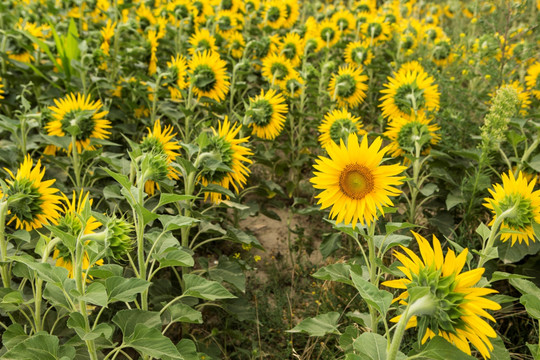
(154, 167)
(120, 241)
(504, 107)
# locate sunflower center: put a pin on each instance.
(361, 20)
(442, 51)
(412, 133)
(390, 18)
(408, 42)
(524, 214)
(225, 23)
(359, 55)
(221, 162)
(293, 85)
(363, 8)
(203, 45)
(236, 45)
(289, 50)
(204, 78)
(448, 313)
(181, 11)
(144, 23)
(70, 224)
(356, 181)
(431, 34)
(261, 112)
(328, 34)
(374, 30)
(199, 6)
(341, 128)
(346, 86)
(343, 24)
(279, 70)
(226, 4)
(409, 98)
(25, 200)
(273, 14)
(82, 119)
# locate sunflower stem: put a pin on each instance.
(6, 276)
(76, 163)
(417, 164)
(494, 233)
(140, 241)
(373, 269)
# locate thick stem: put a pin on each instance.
(4, 269)
(415, 188)
(75, 159)
(398, 334)
(140, 243)
(373, 269)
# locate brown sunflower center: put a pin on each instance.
(356, 181)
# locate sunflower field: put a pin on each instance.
(269, 179)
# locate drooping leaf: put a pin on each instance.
(319, 325)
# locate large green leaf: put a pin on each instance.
(229, 271)
(165, 199)
(128, 319)
(532, 305)
(76, 322)
(372, 346)
(184, 313)
(41, 346)
(150, 342)
(199, 287)
(525, 287)
(319, 325)
(174, 257)
(171, 222)
(124, 289)
(96, 294)
(335, 272)
(379, 299)
(46, 271)
(440, 349)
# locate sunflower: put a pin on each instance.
(349, 86)
(178, 68)
(442, 53)
(266, 113)
(161, 142)
(410, 90)
(228, 22)
(209, 75)
(458, 305)
(328, 33)
(408, 34)
(153, 43)
(252, 6)
(292, 85)
(230, 151)
(78, 110)
(203, 10)
(354, 182)
(236, 45)
(345, 21)
(180, 11)
(405, 132)
(533, 79)
(274, 14)
(358, 53)
(32, 202)
(337, 125)
(292, 47)
(376, 29)
(293, 11)
(145, 18)
(107, 33)
(71, 223)
(519, 193)
(231, 5)
(276, 68)
(201, 41)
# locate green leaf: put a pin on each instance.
(534, 163)
(96, 294)
(218, 189)
(174, 257)
(71, 42)
(121, 179)
(440, 349)
(147, 215)
(165, 199)
(122, 289)
(319, 325)
(128, 319)
(379, 299)
(500, 275)
(10, 299)
(41, 346)
(483, 231)
(372, 346)
(13, 335)
(512, 254)
(242, 237)
(106, 271)
(392, 227)
(46, 271)
(330, 244)
(526, 287)
(175, 222)
(532, 305)
(499, 351)
(453, 199)
(386, 242)
(199, 287)
(335, 272)
(184, 313)
(150, 342)
(187, 349)
(348, 337)
(57, 297)
(229, 271)
(76, 322)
